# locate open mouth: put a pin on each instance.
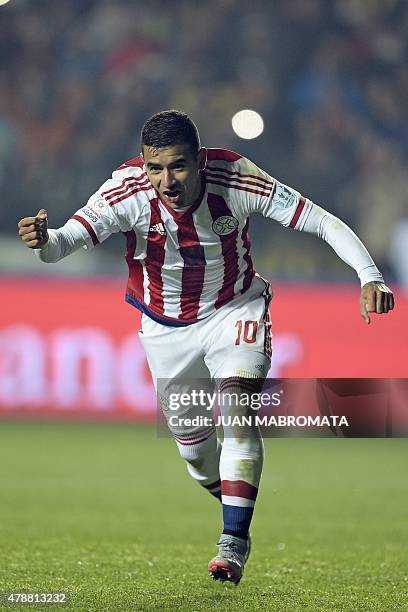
(172, 196)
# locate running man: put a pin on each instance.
(184, 211)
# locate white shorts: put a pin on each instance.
(234, 341)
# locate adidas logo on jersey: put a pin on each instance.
(158, 227)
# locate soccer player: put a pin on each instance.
(184, 210)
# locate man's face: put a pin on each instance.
(175, 173)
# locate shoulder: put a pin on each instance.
(135, 162)
(126, 195)
(133, 169)
(222, 155)
(230, 164)
(129, 183)
(236, 174)
(222, 161)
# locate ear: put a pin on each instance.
(202, 158)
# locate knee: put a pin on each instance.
(202, 459)
(196, 449)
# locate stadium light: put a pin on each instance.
(247, 124)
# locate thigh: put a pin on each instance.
(239, 343)
(180, 375)
(172, 352)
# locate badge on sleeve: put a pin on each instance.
(284, 197)
(96, 208)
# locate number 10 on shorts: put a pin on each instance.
(246, 332)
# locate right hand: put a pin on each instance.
(33, 230)
(375, 297)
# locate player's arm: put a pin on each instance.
(286, 205)
(277, 201)
(375, 295)
(89, 226)
(115, 207)
(51, 245)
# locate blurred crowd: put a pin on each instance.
(79, 77)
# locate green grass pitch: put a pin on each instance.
(108, 513)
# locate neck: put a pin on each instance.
(197, 190)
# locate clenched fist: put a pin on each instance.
(375, 297)
(33, 230)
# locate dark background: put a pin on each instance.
(78, 79)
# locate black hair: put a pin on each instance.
(168, 128)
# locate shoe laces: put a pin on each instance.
(232, 548)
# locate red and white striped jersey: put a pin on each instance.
(185, 265)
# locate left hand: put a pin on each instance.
(375, 297)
